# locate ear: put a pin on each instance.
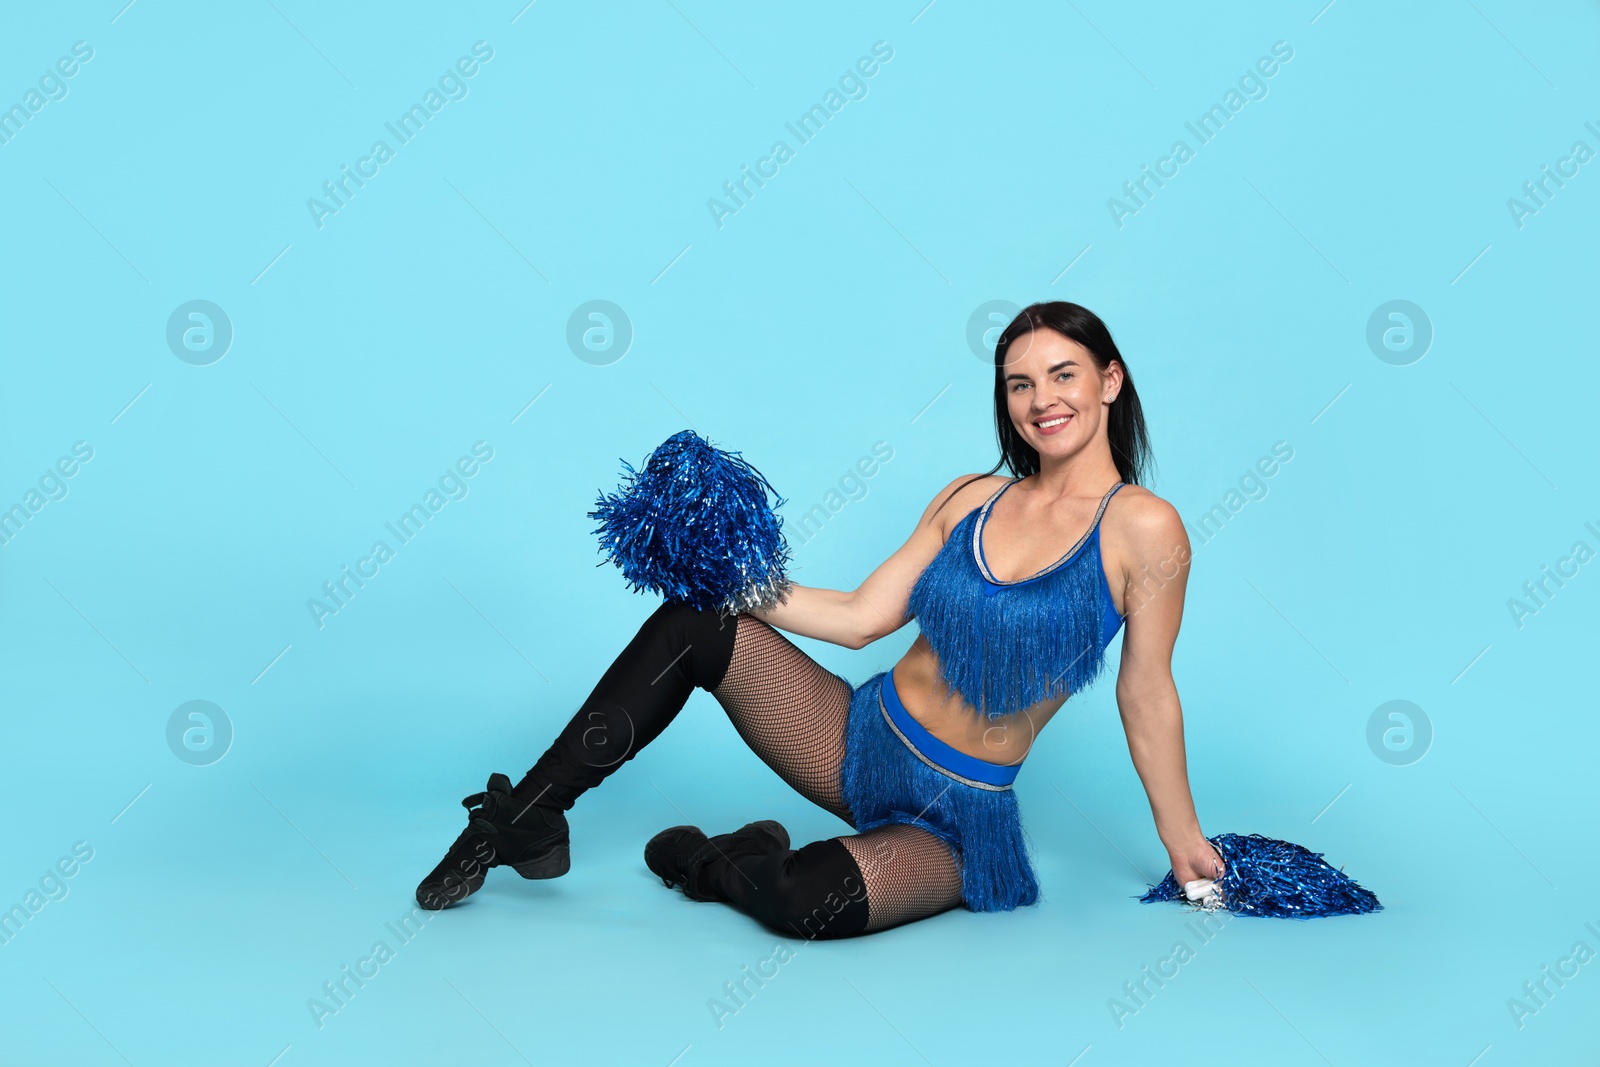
(1113, 381)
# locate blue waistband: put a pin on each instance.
(935, 752)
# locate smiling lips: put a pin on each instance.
(1052, 425)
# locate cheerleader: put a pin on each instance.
(1018, 584)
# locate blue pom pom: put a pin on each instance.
(1277, 879)
(694, 525)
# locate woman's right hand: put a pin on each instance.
(1197, 859)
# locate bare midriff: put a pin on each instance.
(952, 720)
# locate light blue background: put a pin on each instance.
(828, 314)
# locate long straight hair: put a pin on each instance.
(1126, 431)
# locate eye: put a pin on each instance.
(1064, 374)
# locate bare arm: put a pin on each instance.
(1147, 697)
(878, 606)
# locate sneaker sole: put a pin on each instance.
(553, 864)
(437, 896)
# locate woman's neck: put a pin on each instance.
(1088, 472)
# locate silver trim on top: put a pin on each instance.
(983, 518)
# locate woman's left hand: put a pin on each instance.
(1198, 859)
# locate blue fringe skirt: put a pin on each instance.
(895, 771)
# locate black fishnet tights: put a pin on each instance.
(910, 874)
(792, 711)
(789, 709)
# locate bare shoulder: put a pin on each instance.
(963, 494)
(1143, 527)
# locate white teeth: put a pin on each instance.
(1052, 422)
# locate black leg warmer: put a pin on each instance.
(677, 650)
(816, 892)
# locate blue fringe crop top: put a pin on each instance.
(1005, 646)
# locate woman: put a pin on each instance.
(919, 760)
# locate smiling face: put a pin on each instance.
(1056, 393)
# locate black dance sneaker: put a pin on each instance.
(502, 831)
(679, 855)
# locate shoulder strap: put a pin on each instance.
(997, 493)
(1103, 502)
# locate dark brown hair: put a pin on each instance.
(1126, 432)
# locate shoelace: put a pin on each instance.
(477, 806)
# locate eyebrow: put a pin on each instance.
(1050, 370)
